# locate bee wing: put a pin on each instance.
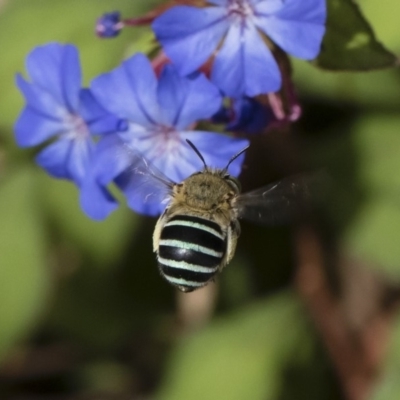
(147, 188)
(279, 202)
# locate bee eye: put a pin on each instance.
(234, 183)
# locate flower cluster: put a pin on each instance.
(239, 32)
(99, 135)
(58, 108)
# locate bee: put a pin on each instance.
(196, 235)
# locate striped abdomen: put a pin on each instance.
(190, 251)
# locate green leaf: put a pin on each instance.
(104, 241)
(238, 357)
(24, 273)
(384, 21)
(373, 235)
(350, 43)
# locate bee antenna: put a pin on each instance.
(225, 170)
(197, 152)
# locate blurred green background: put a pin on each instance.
(84, 313)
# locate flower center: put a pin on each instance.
(163, 130)
(240, 10)
(77, 128)
(167, 140)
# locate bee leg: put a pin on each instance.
(231, 240)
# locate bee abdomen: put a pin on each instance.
(190, 252)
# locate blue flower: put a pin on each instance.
(109, 25)
(57, 108)
(223, 116)
(160, 115)
(244, 115)
(243, 64)
(249, 116)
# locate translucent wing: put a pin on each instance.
(147, 189)
(280, 202)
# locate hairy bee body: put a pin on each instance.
(196, 235)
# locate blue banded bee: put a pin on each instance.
(196, 236)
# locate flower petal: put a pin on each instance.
(186, 100)
(110, 159)
(98, 119)
(312, 11)
(216, 149)
(55, 68)
(298, 28)
(40, 100)
(244, 65)
(32, 128)
(123, 162)
(129, 91)
(219, 2)
(79, 159)
(267, 6)
(189, 35)
(250, 116)
(66, 158)
(53, 157)
(96, 201)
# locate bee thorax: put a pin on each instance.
(204, 191)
